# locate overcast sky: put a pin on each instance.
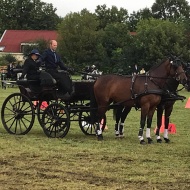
(67, 6)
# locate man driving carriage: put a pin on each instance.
(52, 63)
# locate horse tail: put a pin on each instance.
(93, 107)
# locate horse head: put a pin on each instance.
(176, 69)
(186, 68)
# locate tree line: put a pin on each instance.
(110, 38)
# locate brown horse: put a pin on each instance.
(168, 100)
(165, 106)
(141, 91)
(167, 103)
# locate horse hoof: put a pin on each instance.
(159, 140)
(142, 142)
(100, 137)
(150, 141)
(167, 140)
(121, 136)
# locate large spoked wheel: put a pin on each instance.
(41, 106)
(17, 114)
(86, 126)
(56, 121)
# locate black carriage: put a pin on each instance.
(54, 112)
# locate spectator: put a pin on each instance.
(86, 70)
(142, 71)
(135, 70)
(94, 73)
(19, 70)
(10, 73)
(94, 69)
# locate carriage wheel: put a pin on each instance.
(42, 105)
(86, 126)
(17, 114)
(56, 121)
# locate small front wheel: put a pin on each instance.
(86, 126)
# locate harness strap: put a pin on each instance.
(180, 89)
(133, 95)
(132, 85)
(146, 82)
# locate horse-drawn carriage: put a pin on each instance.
(54, 112)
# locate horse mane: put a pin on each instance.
(116, 74)
(157, 65)
(126, 76)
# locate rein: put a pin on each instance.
(177, 77)
(180, 89)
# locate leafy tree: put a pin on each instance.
(174, 10)
(39, 44)
(135, 17)
(10, 58)
(28, 14)
(171, 9)
(160, 38)
(2, 61)
(115, 39)
(108, 16)
(78, 38)
(187, 36)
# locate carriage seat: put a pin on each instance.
(25, 82)
(28, 87)
(46, 79)
(33, 88)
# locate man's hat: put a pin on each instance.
(35, 51)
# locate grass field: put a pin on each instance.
(36, 162)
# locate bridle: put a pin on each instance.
(175, 64)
